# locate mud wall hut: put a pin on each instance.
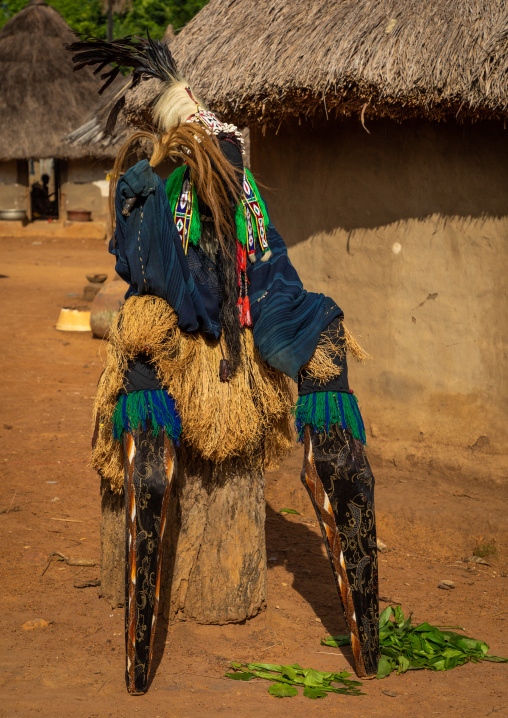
(41, 101)
(379, 132)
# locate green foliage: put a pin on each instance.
(336, 641)
(85, 17)
(181, 11)
(309, 692)
(289, 511)
(315, 684)
(8, 8)
(405, 647)
(282, 690)
(152, 16)
(144, 16)
(242, 676)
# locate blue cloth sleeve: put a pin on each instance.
(287, 319)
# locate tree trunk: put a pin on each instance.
(112, 547)
(214, 567)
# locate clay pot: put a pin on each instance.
(97, 278)
(105, 307)
(78, 215)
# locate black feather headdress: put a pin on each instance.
(145, 56)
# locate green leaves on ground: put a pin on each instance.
(405, 647)
(315, 684)
(289, 511)
(242, 676)
(336, 641)
(282, 690)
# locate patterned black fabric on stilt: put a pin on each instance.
(338, 477)
(149, 468)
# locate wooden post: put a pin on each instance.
(112, 547)
(214, 568)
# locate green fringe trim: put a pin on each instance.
(324, 408)
(241, 221)
(173, 190)
(134, 410)
(174, 186)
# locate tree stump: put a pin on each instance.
(112, 547)
(214, 565)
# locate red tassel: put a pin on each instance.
(243, 303)
(246, 319)
(241, 258)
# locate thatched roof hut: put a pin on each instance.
(404, 225)
(41, 97)
(266, 61)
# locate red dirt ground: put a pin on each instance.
(49, 501)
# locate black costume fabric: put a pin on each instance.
(140, 376)
(308, 385)
(150, 464)
(216, 277)
(205, 274)
(337, 475)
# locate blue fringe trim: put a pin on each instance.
(322, 409)
(135, 409)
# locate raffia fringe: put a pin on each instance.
(321, 366)
(353, 347)
(247, 417)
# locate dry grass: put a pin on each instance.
(247, 417)
(321, 366)
(353, 347)
(41, 97)
(332, 345)
(396, 58)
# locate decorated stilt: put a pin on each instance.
(150, 464)
(340, 483)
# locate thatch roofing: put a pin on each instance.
(93, 133)
(41, 97)
(266, 60)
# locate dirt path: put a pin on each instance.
(50, 502)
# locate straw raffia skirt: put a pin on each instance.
(247, 417)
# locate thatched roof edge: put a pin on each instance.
(264, 61)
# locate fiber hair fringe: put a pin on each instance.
(247, 418)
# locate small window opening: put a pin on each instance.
(44, 182)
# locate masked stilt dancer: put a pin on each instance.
(214, 324)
